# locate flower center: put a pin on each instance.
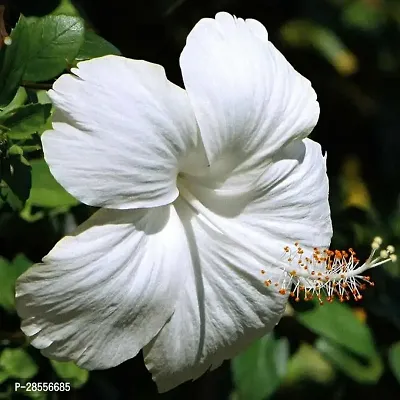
(328, 273)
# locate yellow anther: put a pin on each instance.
(384, 254)
(375, 245)
(390, 249)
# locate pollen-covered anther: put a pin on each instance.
(328, 274)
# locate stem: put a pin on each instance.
(36, 86)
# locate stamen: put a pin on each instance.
(326, 274)
(329, 274)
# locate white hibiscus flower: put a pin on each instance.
(201, 190)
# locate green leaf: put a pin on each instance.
(15, 150)
(359, 370)
(36, 395)
(308, 364)
(3, 376)
(9, 272)
(3, 148)
(46, 191)
(71, 373)
(363, 15)
(18, 364)
(394, 359)
(95, 46)
(16, 173)
(14, 61)
(305, 33)
(338, 323)
(259, 371)
(19, 99)
(54, 43)
(66, 8)
(27, 120)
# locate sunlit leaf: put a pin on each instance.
(46, 191)
(17, 363)
(71, 373)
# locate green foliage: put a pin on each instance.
(394, 359)
(25, 120)
(363, 15)
(16, 177)
(95, 46)
(308, 364)
(259, 370)
(9, 272)
(54, 43)
(46, 191)
(337, 323)
(344, 340)
(17, 363)
(13, 62)
(304, 33)
(71, 373)
(363, 370)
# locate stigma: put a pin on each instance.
(328, 274)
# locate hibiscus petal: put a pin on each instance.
(103, 293)
(289, 202)
(248, 100)
(120, 131)
(222, 308)
(234, 237)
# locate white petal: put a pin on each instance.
(288, 202)
(248, 100)
(102, 294)
(291, 200)
(225, 305)
(120, 131)
(223, 308)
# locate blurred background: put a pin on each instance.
(350, 50)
